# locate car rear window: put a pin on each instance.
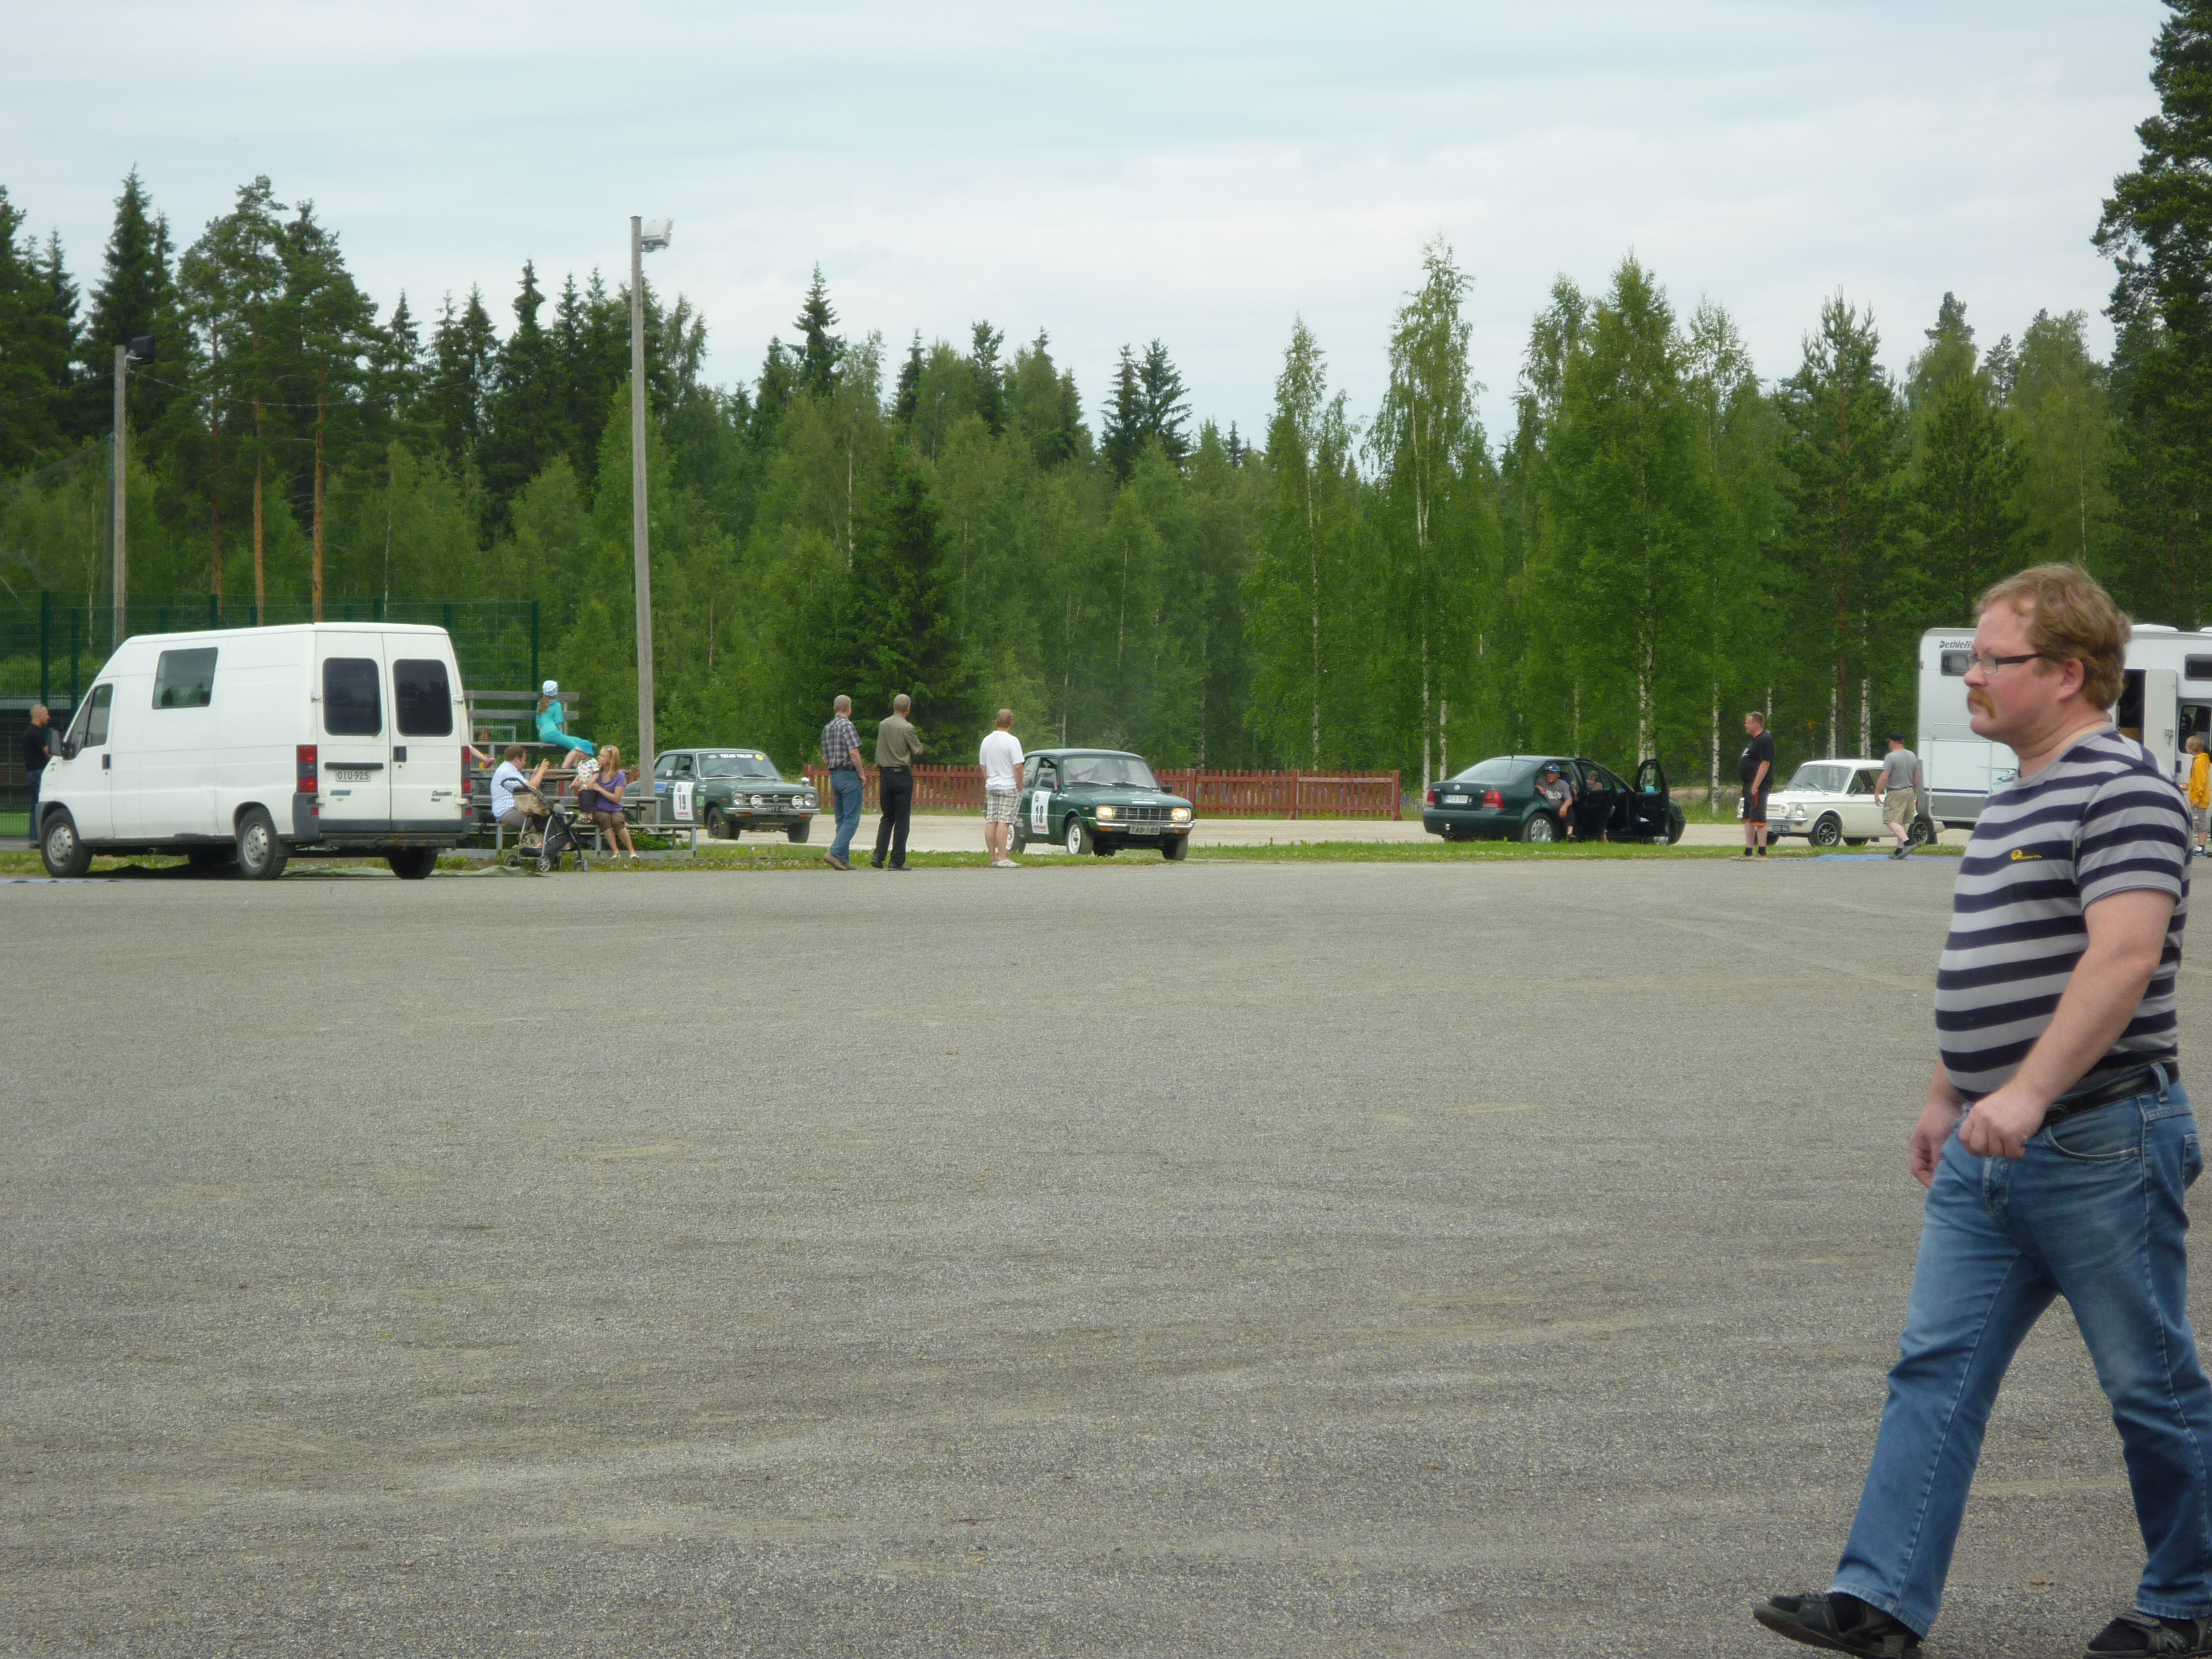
(352, 707)
(1503, 770)
(185, 679)
(422, 697)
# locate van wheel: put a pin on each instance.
(412, 863)
(261, 856)
(64, 855)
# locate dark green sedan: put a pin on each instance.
(1099, 800)
(1551, 797)
(729, 791)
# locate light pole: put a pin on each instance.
(644, 236)
(139, 350)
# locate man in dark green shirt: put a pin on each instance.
(897, 747)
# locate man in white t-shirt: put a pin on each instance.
(510, 777)
(1002, 756)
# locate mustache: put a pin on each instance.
(1978, 703)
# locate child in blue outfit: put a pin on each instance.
(552, 721)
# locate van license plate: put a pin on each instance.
(351, 774)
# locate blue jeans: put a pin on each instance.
(845, 785)
(2092, 1212)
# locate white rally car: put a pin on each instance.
(1835, 800)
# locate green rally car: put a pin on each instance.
(1099, 800)
(729, 791)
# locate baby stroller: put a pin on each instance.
(560, 835)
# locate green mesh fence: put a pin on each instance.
(52, 650)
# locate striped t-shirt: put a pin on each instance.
(2099, 820)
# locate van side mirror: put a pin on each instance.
(68, 748)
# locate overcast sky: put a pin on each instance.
(1199, 172)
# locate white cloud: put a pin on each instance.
(1198, 173)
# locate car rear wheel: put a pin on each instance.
(261, 856)
(64, 855)
(1922, 832)
(798, 832)
(1017, 838)
(1827, 832)
(1540, 828)
(1076, 837)
(412, 863)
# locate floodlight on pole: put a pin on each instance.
(140, 350)
(644, 234)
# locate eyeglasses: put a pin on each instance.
(1989, 662)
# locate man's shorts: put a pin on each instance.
(1898, 806)
(1754, 807)
(999, 805)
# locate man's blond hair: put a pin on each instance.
(2071, 618)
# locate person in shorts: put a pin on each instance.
(601, 795)
(1001, 759)
(1558, 795)
(1900, 793)
(1755, 771)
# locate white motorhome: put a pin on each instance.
(2167, 699)
(257, 745)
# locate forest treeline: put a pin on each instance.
(1663, 537)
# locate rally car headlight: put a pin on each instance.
(1180, 815)
(1106, 814)
(806, 801)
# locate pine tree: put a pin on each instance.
(821, 353)
(907, 399)
(331, 329)
(524, 426)
(897, 632)
(1121, 434)
(35, 348)
(136, 297)
(984, 341)
(1843, 440)
(1043, 405)
(2156, 227)
(1166, 409)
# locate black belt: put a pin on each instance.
(2143, 1080)
(887, 767)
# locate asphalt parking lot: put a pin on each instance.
(1267, 1260)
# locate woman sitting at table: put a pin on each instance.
(602, 798)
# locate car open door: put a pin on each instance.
(1648, 817)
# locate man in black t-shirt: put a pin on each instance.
(38, 750)
(1756, 770)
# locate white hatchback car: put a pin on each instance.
(1834, 800)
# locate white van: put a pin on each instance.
(256, 745)
(2165, 699)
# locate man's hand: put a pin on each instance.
(1937, 1119)
(2001, 1123)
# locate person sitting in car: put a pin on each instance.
(1559, 795)
(1594, 810)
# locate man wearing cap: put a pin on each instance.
(553, 720)
(2056, 1144)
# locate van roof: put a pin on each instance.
(420, 630)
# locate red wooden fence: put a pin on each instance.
(1226, 794)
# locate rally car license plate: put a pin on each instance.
(351, 774)
(1456, 801)
(1144, 829)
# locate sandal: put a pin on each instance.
(1811, 1619)
(2165, 1638)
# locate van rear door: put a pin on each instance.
(426, 746)
(355, 746)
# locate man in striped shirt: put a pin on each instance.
(2057, 1143)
